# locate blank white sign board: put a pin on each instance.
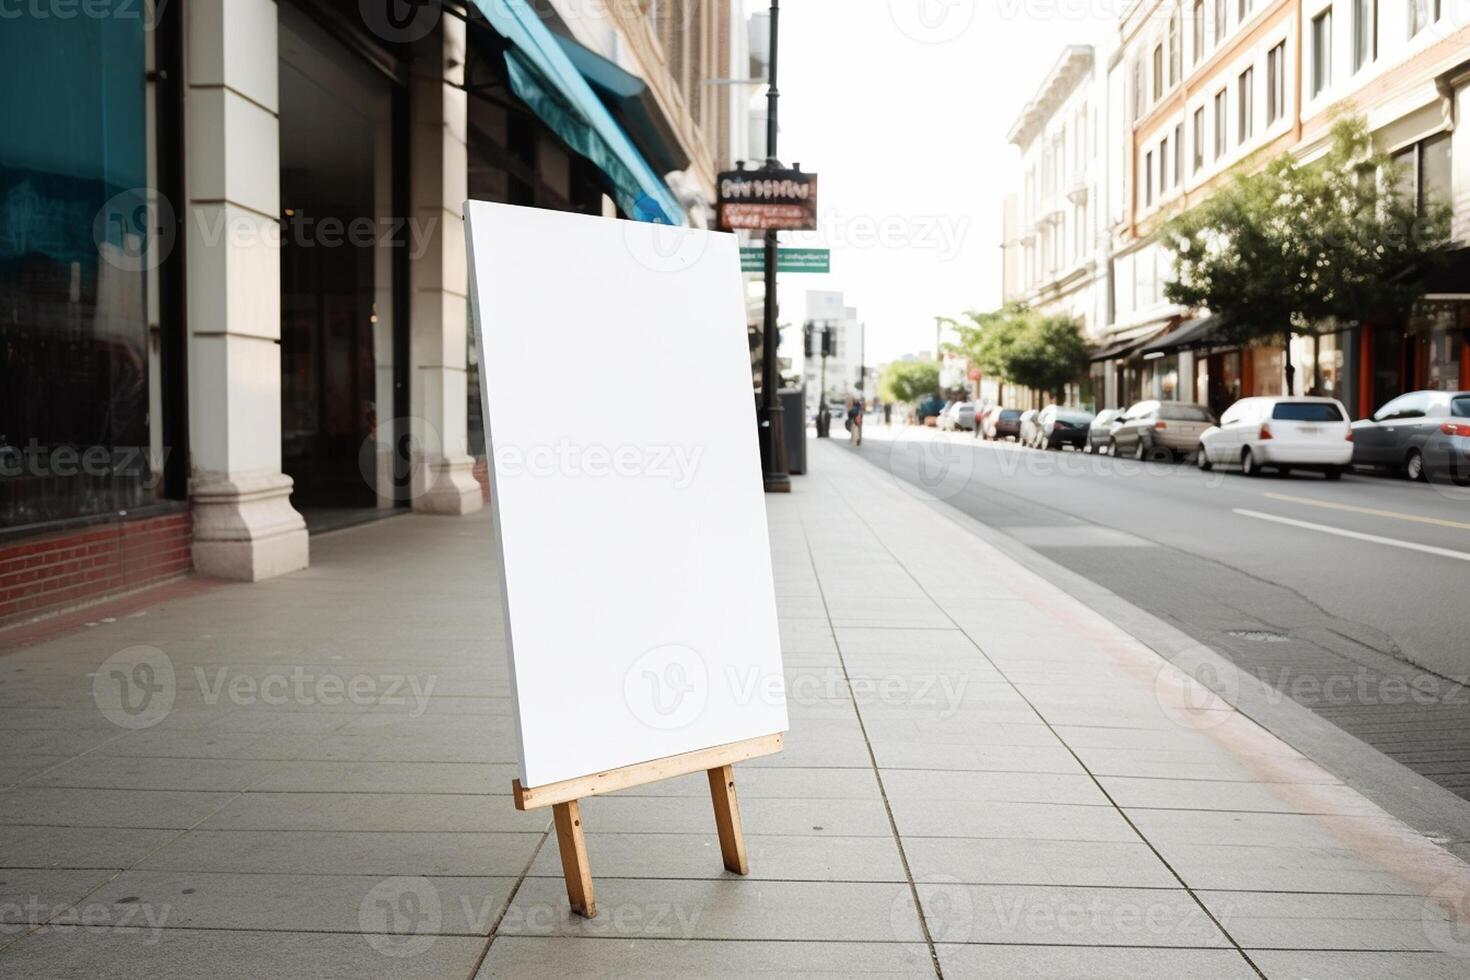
(625, 474)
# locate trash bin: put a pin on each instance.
(793, 421)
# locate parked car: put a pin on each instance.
(1003, 423)
(1160, 430)
(1056, 426)
(1281, 433)
(1422, 435)
(964, 416)
(1100, 430)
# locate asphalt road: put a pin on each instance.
(1352, 597)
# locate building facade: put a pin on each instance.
(1209, 87)
(233, 285)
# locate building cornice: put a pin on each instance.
(1071, 68)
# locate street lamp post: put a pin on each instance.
(772, 429)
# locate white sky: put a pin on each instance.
(902, 107)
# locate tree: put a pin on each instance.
(986, 339)
(1284, 249)
(908, 381)
(1048, 353)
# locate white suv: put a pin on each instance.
(1281, 433)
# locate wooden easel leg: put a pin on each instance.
(727, 819)
(574, 864)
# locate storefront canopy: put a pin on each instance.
(1196, 333)
(542, 75)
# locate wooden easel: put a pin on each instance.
(562, 797)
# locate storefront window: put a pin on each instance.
(1440, 343)
(1269, 370)
(74, 225)
(1329, 356)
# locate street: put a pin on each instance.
(1368, 630)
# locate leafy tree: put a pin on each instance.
(986, 339)
(908, 381)
(1048, 353)
(1281, 250)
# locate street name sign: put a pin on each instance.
(637, 598)
(817, 260)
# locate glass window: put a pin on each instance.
(1460, 407)
(1244, 10)
(1199, 138)
(1365, 32)
(1220, 21)
(1221, 124)
(1306, 412)
(1179, 153)
(1434, 171)
(1148, 178)
(1321, 51)
(1247, 102)
(1173, 52)
(1275, 83)
(1158, 72)
(1179, 411)
(1197, 29)
(74, 251)
(1418, 16)
(1164, 165)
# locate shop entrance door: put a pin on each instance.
(337, 264)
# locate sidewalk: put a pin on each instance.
(310, 777)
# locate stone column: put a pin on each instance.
(439, 278)
(244, 525)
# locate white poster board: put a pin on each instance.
(625, 480)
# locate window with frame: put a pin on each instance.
(1243, 10)
(1365, 32)
(1158, 72)
(1163, 165)
(1197, 32)
(1179, 153)
(1275, 83)
(1321, 52)
(1221, 20)
(1222, 131)
(1199, 139)
(1173, 52)
(1245, 97)
(1419, 16)
(1148, 179)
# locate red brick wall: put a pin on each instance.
(38, 574)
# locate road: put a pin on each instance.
(1350, 597)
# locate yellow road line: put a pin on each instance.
(1395, 515)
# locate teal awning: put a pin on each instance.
(543, 77)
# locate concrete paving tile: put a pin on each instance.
(52, 741)
(1015, 861)
(1024, 821)
(1270, 868)
(32, 897)
(46, 806)
(1121, 963)
(931, 726)
(381, 853)
(79, 847)
(372, 811)
(939, 785)
(386, 777)
(1349, 965)
(760, 815)
(472, 745)
(311, 903)
(18, 769)
(1067, 915)
(919, 754)
(555, 958)
(779, 782)
(106, 772)
(164, 744)
(1191, 794)
(143, 954)
(857, 641)
(1326, 921)
(720, 908)
(1280, 829)
(1166, 764)
(772, 858)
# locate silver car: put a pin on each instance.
(1101, 430)
(1422, 435)
(1160, 430)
